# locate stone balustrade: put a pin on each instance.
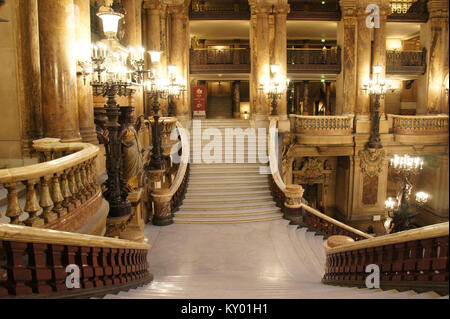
(61, 192)
(323, 125)
(35, 262)
(414, 259)
(420, 124)
(314, 60)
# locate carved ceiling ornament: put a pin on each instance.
(372, 161)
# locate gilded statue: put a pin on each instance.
(288, 143)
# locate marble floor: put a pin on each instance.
(254, 260)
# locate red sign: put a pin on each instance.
(199, 98)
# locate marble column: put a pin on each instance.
(260, 60)
(379, 43)
(280, 51)
(130, 22)
(236, 99)
(236, 51)
(298, 98)
(29, 72)
(306, 97)
(85, 98)
(363, 49)
(346, 81)
(58, 69)
(179, 54)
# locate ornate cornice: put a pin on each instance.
(153, 5)
(438, 8)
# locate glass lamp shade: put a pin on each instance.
(275, 68)
(155, 56)
(110, 21)
(377, 69)
(422, 197)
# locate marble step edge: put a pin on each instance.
(236, 220)
(226, 200)
(225, 214)
(229, 206)
(219, 188)
(224, 194)
(301, 235)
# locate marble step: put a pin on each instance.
(301, 235)
(302, 254)
(231, 177)
(214, 182)
(232, 205)
(233, 173)
(230, 213)
(224, 188)
(216, 201)
(227, 194)
(317, 250)
(227, 220)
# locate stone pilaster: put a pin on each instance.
(58, 69)
(260, 52)
(85, 98)
(279, 51)
(363, 71)
(434, 36)
(346, 80)
(179, 54)
(130, 22)
(236, 99)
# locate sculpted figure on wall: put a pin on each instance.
(286, 157)
(372, 161)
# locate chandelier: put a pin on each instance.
(274, 87)
(401, 6)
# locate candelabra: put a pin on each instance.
(175, 89)
(275, 87)
(398, 212)
(377, 88)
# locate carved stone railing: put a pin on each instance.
(323, 125)
(408, 11)
(415, 259)
(168, 200)
(34, 261)
(289, 199)
(314, 10)
(219, 10)
(227, 60)
(314, 60)
(406, 62)
(61, 192)
(420, 124)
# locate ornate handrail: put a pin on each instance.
(406, 62)
(314, 10)
(314, 59)
(323, 125)
(420, 124)
(414, 259)
(289, 198)
(66, 183)
(212, 60)
(36, 261)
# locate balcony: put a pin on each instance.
(231, 60)
(301, 60)
(338, 129)
(219, 10)
(408, 11)
(420, 129)
(315, 10)
(406, 62)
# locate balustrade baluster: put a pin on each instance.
(46, 201)
(86, 270)
(55, 261)
(17, 270)
(105, 262)
(76, 196)
(32, 206)
(66, 193)
(410, 263)
(41, 273)
(429, 251)
(13, 211)
(79, 184)
(57, 197)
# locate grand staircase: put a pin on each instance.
(220, 193)
(272, 260)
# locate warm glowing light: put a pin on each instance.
(394, 44)
(406, 163)
(377, 69)
(390, 204)
(275, 68)
(155, 56)
(422, 197)
(110, 21)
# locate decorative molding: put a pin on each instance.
(371, 161)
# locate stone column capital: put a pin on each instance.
(152, 6)
(438, 8)
(261, 9)
(282, 9)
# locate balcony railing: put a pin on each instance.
(408, 11)
(314, 60)
(406, 62)
(420, 125)
(314, 10)
(233, 60)
(223, 10)
(323, 125)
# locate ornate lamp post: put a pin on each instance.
(377, 88)
(398, 212)
(275, 87)
(113, 72)
(175, 89)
